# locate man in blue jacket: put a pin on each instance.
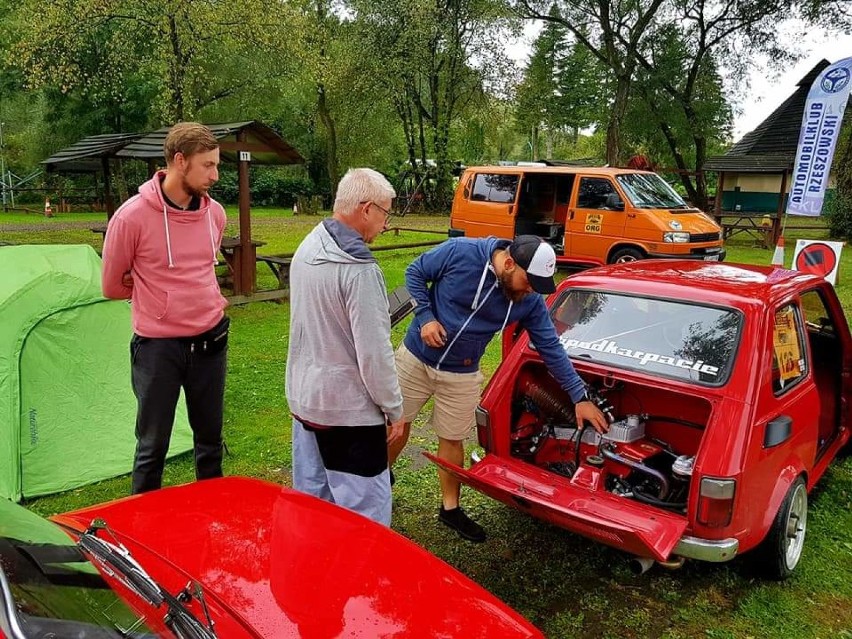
(466, 291)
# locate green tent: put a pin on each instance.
(67, 411)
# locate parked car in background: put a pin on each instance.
(230, 558)
(728, 387)
(592, 216)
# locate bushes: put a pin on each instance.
(839, 216)
(270, 186)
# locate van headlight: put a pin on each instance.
(677, 237)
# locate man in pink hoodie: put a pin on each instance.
(160, 252)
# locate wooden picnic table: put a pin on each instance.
(759, 226)
(231, 249)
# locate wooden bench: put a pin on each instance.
(280, 267)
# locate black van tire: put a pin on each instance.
(626, 254)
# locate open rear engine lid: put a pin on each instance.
(616, 521)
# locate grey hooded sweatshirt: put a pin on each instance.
(340, 362)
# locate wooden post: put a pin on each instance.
(248, 272)
(776, 223)
(152, 167)
(720, 187)
(108, 201)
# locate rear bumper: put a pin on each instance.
(716, 550)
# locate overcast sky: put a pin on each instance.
(768, 88)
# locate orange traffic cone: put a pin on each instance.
(778, 256)
(48, 211)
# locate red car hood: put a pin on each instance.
(277, 563)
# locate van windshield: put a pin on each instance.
(650, 191)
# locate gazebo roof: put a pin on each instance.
(771, 147)
(266, 146)
(85, 156)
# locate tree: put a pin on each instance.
(419, 49)
(538, 94)
(181, 46)
(614, 31)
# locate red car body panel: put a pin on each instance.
(277, 563)
(574, 504)
(736, 414)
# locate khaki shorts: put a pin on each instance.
(456, 395)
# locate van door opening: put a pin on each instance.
(543, 207)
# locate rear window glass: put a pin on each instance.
(495, 188)
(668, 338)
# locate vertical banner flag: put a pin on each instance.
(820, 128)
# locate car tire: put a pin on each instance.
(780, 552)
(624, 255)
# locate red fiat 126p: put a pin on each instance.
(727, 388)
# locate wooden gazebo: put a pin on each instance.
(243, 143)
(754, 175)
(91, 155)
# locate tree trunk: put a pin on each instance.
(177, 65)
(616, 117)
(331, 142)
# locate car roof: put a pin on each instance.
(727, 284)
(586, 170)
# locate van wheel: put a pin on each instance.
(780, 552)
(622, 256)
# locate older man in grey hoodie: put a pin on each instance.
(341, 378)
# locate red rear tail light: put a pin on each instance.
(483, 428)
(716, 502)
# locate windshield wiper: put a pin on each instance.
(118, 562)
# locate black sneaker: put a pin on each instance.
(458, 520)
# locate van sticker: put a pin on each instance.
(611, 347)
(593, 223)
(786, 344)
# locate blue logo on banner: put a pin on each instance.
(835, 80)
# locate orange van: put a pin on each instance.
(592, 216)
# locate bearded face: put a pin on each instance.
(514, 284)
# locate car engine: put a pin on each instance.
(628, 460)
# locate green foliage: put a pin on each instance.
(269, 186)
(839, 212)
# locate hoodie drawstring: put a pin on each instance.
(169, 239)
(212, 241)
(477, 304)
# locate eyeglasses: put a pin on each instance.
(381, 208)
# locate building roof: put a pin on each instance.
(85, 155)
(771, 147)
(267, 146)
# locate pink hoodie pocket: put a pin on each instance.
(193, 306)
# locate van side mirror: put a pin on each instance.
(614, 202)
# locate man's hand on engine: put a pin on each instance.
(586, 410)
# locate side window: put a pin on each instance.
(788, 350)
(816, 315)
(495, 188)
(467, 188)
(594, 192)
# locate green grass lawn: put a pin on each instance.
(565, 584)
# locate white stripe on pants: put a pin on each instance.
(368, 496)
